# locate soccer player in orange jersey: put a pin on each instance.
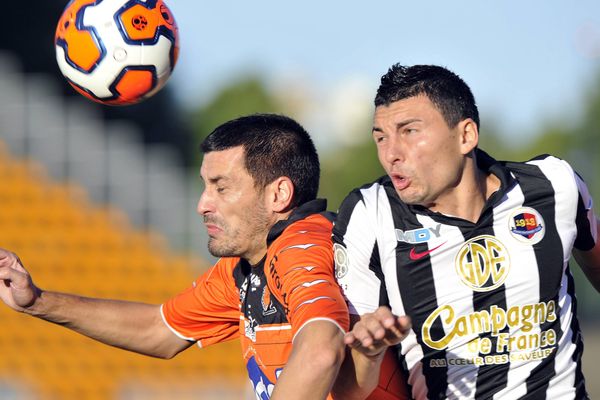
(273, 286)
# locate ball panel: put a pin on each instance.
(83, 50)
(143, 22)
(133, 84)
(83, 92)
(157, 56)
(169, 22)
(166, 14)
(139, 23)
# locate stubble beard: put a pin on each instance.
(235, 242)
(226, 249)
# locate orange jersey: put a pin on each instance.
(267, 304)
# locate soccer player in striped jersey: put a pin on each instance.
(463, 257)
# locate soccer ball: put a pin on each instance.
(116, 52)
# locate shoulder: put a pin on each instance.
(220, 274)
(315, 229)
(210, 292)
(306, 242)
(369, 207)
(366, 196)
(547, 175)
(544, 166)
(225, 265)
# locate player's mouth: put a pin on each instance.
(400, 182)
(212, 229)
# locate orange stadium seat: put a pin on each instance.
(72, 245)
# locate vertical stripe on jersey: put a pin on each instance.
(539, 195)
(580, 392)
(521, 287)
(375, 266)
(347, 231)
(419, 300)
(569, 188)
(491, 378)
(340, 226)
(450, 290)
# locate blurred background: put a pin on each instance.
(101, 200)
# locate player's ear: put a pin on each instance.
(468, 134)
(281, 193)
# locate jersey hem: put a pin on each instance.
(318, 319)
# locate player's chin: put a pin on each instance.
(219, 248)
(213, 247)
(413, 197)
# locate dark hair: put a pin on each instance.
(274, 146)
(446, 90)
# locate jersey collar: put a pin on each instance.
(489, 165)
(311, 207)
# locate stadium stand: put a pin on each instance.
(73, 245)
(73, 142)
(82, 209)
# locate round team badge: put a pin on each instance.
(527, 225)
(340, 256)
(482, 263)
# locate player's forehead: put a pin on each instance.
(416, 108)
(224, 164)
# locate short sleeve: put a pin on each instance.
(357, 256)
(587, 230)
(302, 271)
(207, 312)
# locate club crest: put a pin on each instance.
(527, 225)
(340, 256)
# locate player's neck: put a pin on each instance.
(258, 250)
(467, 199)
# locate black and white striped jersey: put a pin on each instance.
(492, 303)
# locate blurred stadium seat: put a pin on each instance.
(73, 245)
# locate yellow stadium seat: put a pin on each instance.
(72, 245)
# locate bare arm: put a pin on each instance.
(313, 365)
(370, 337)
(132, 326)
(589, 261)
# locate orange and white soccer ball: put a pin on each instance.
(117, 52)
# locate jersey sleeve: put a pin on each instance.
(587, 230)
(207, 312)
(357, 260)
(302, 273)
